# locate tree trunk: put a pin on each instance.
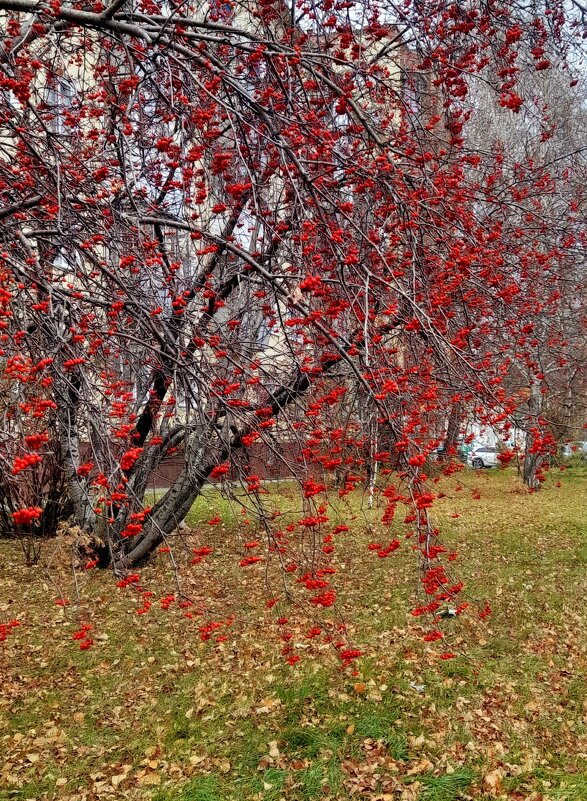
(452, 433)
(532, 464)
(209, 449)
(533, 461)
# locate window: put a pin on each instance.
(412, 88)
(263, 335)
(60, 96)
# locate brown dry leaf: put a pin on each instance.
(493, 781)
(422, 766)
(267, 705)
(412, 792)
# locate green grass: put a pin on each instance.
(448, 787)
(153, 713)
(205, 788)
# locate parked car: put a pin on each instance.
(483, 456)
(578, 449)
(461, 452)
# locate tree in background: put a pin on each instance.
(544, 143)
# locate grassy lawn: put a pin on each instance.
(152, 712)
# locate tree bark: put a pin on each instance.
(533, 461)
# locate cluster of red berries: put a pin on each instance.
(85, 641)
(24, 517)
(129, 458)
(36, 441)
(7, 628)
(325, 599)
(132, 530)
(22, 462)
(71, 363)
(250, 560)
(208, 629)
(132, 578)
(200, 553)
(146, 603)
(220, 470)
(349, 654)
(84, 469)
(382, 552)
(167, 600)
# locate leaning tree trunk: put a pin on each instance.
(213, 445)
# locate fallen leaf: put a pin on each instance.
(150, 779)
(273, 749)
(493, 781)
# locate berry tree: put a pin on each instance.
(233, 226)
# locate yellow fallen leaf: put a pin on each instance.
(150, 779)
(273, 749)
(416, 742)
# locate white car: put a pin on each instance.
(483, 456)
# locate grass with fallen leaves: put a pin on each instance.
(152, 712)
